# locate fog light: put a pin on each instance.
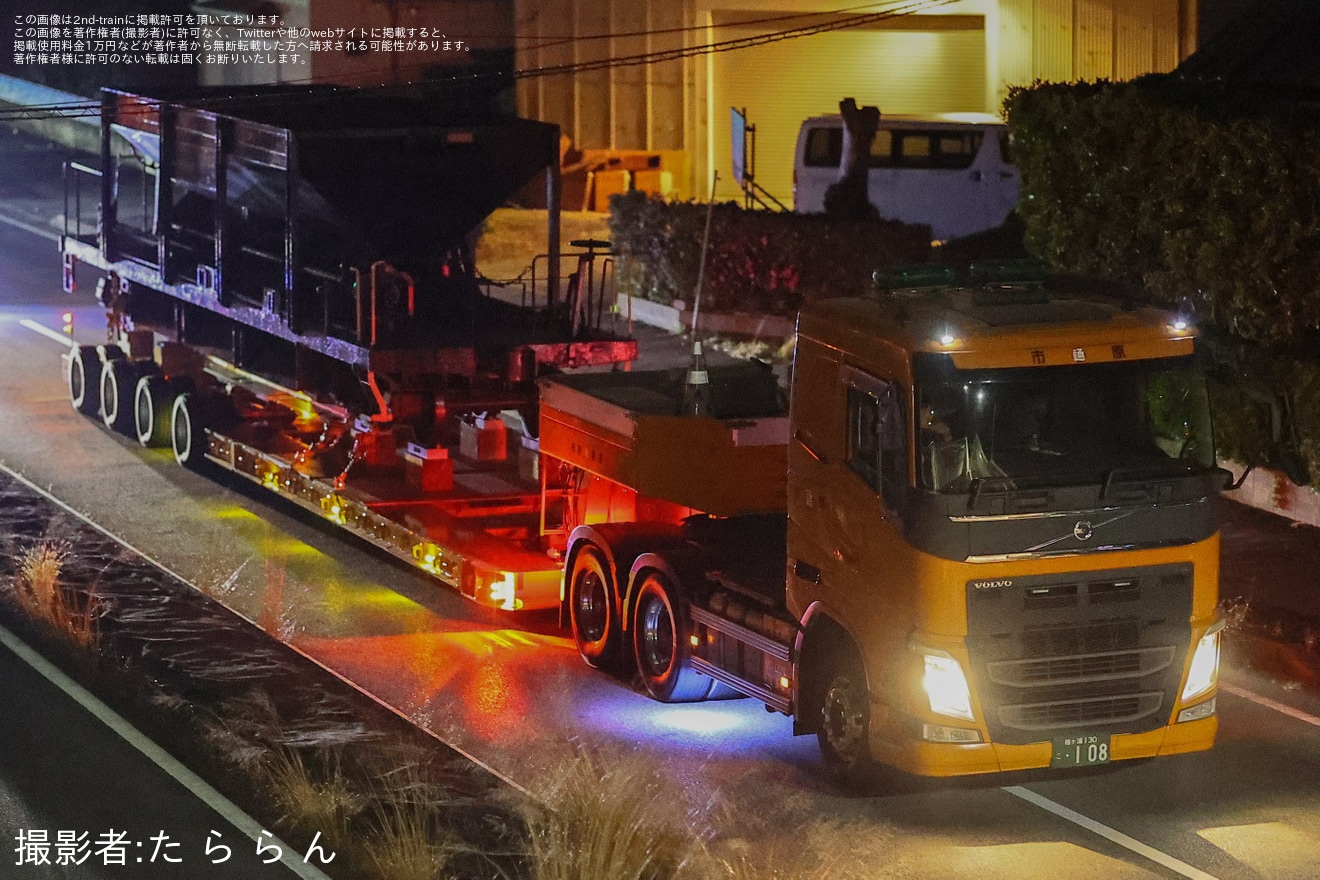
(941, 734)
(1195, 713)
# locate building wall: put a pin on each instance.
(963, 56)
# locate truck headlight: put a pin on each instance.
(945, 684)
(1204, 671)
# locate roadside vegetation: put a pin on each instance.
(388, 801)
(39, 591)
(1199, 198)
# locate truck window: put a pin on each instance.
(936, 149)
(824, 148)
(876, 441)
(1061, 426)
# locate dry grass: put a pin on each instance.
(404, 843)
(312, 793)
(41, 594)
(407, 841)
(616, 820)
(512, 237)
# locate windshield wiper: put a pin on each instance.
(1150, 471)
(974, 490)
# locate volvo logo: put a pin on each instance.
(1083, 531)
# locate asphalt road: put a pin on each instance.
(512, 693)
(78, 799)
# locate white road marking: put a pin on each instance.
(158, 756)
(1270, 704)
(28, 227)
(62, 338)
(1149, 852)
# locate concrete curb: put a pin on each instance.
(1271, 491)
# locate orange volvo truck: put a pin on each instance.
(980, 536)
(993, 547)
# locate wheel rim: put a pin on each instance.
(844, 720)
(657, 636)
(591, 608)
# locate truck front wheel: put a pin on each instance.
(660, 643)
(845, 725)
(592, 610)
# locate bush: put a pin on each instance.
(758, 261)
(1205, 200)
(1182, 190)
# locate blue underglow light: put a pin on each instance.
(709, 719)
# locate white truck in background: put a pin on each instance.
(951, 172)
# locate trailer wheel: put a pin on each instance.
(84, 377)
(188, 430)
(844, 732)
(153, 400)
(660, 644)
(593, 612)
(118, 381)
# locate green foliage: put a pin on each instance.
(1178, 190)
(1205, 200)
(758, 261)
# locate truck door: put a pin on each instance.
(870, 494)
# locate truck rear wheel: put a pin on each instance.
(153, 401)
(844, 732)
(118, 381)
(593, 611)
(84, 379)
(660, 644)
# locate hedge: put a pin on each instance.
(1179, 190)
(1204, 200)
(758, 261)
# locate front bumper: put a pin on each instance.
(950, 759)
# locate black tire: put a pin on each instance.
(660, 644)
(593, 611)
(845, 724)
(84, 380)
(118, 382)
(188, 424)
(153, 405)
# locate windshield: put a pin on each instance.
(1048, 427)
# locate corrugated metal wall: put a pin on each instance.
(684, 104)
(626, 107)
(1065, 40)
(899, 71)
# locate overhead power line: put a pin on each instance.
(75, 109)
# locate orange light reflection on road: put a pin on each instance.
(486, 675)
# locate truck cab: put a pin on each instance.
(983, 539)
(1001, 510)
